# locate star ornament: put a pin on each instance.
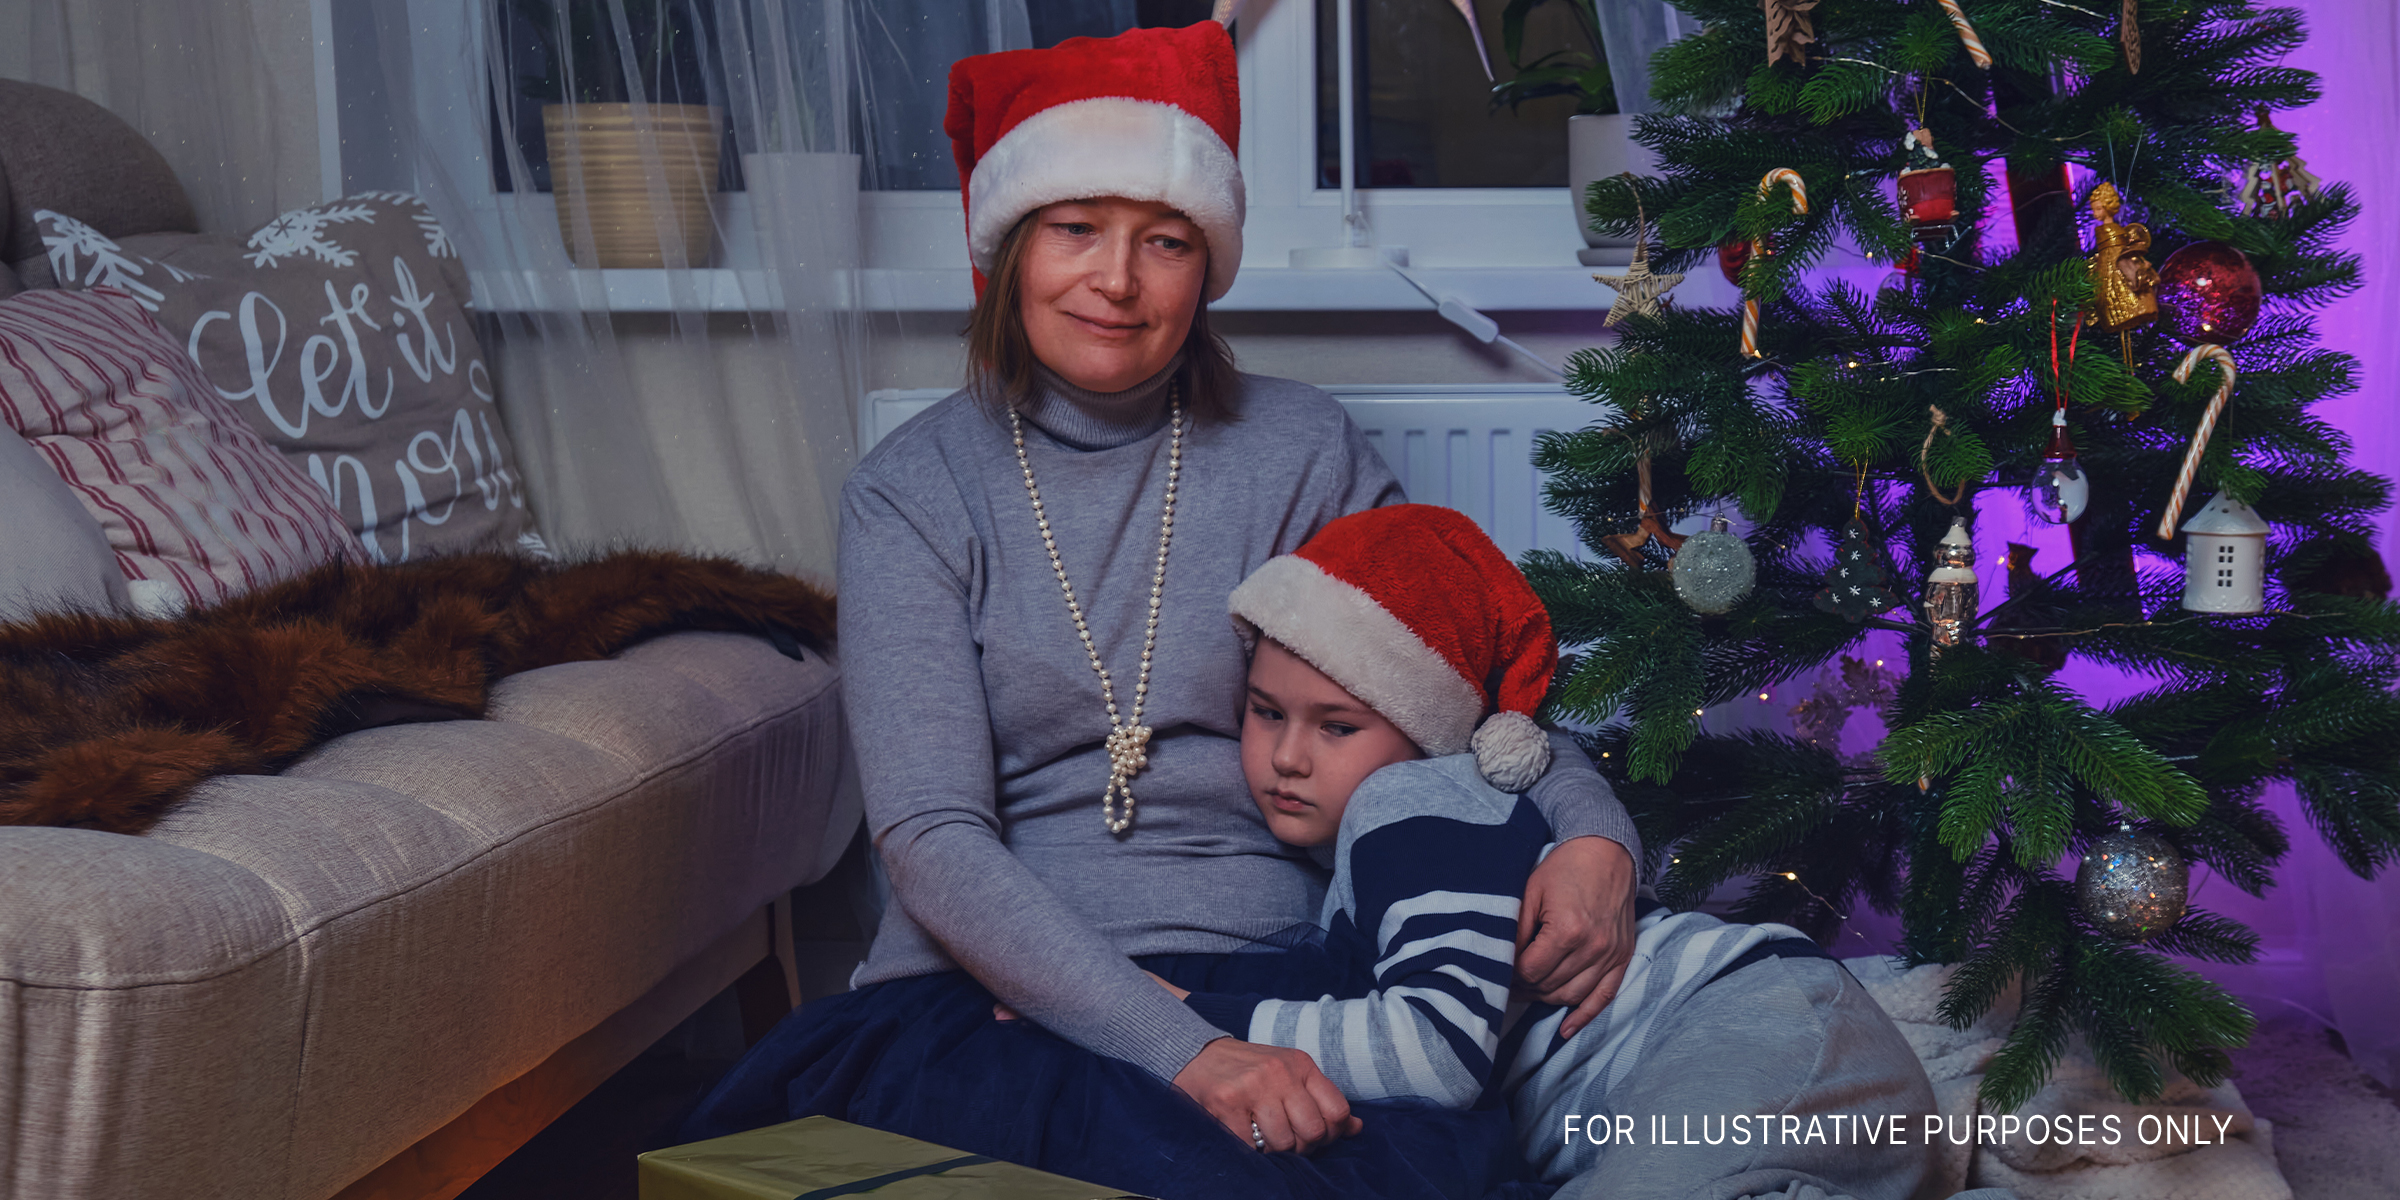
(1638, 291)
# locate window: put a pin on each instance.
(906, 48)
(1508, 210)
(1424, 110)
(889, 60)
(563, 50)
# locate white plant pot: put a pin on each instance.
(1599, 146)
(805, 208)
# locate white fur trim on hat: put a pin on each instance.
(1360, 645)
(1511, 751)
(1110, 146)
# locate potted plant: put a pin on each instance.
(633, 160)
(1599, 137)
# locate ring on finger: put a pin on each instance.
(1258, 1136)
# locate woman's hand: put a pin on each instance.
(1172, 990)
(1294, 1106)
(1575, 930)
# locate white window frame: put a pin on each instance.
(1492, 248)
(1441, 227)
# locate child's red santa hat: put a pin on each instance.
(1150, 114)
(1413, 610)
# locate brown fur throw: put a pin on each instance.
(108, 721)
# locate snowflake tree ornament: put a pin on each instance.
(1858, 586)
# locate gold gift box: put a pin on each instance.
(819, 1158)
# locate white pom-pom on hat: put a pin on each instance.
(1511, 751)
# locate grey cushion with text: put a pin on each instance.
(340, 333)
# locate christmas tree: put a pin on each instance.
(2025, 351)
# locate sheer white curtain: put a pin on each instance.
(223, 88)
(703, 402)
(1631, 31)
(699, 388)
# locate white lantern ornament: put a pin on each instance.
(2225, 558)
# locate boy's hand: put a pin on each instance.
(1280, 1091)
(1575, 930)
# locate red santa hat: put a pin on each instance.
(1413, 610)
(1150, 114)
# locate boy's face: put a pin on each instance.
(1307, 744)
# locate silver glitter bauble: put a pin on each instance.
(1713, 570)
(2132, 884)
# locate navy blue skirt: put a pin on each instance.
(924, 1057)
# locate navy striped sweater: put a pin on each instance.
(1407, 995)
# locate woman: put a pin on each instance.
(1045, 692)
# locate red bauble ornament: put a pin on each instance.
(2208, 292)
(1731, 258)
(1734, 255)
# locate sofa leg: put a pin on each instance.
(770, 989)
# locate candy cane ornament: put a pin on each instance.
(2208, 424)
(1966, 33)
(1758, 250)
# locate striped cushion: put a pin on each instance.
(196, 507)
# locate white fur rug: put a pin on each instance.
(2121, 1151)
(2337, 1135)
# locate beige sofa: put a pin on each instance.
(380, 971)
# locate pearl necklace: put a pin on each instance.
(1128, 738)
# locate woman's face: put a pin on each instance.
(1107, 289)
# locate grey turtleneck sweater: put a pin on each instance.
(979, 724)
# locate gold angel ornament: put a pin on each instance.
(2124, 285)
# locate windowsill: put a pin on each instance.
(885, 289)
(711, 289)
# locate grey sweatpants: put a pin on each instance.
(1780, 1037)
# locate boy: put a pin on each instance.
(1379, 649)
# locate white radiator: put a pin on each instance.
(1469, 448)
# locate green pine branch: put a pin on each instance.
(1992, 775)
